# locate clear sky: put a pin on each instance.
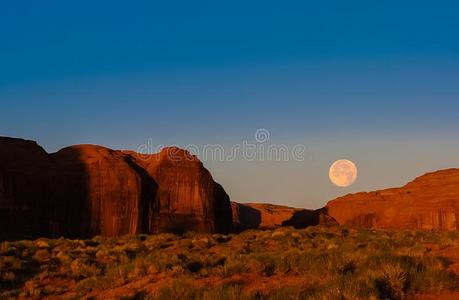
(376, 82)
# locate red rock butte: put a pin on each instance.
(89, 190)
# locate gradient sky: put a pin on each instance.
(376, 82)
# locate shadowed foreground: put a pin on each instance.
(286, 263)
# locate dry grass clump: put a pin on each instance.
(313, 263)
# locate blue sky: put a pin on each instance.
(377, 82)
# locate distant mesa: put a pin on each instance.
(270, 216)
(430, 202)
(306, 217)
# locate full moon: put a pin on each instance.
(343, 173)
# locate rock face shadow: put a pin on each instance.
(149, 189)
(223, 212)
(305, 218)
(245, 217)
(69, 207)
(25, 204)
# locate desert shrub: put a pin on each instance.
(64, 258)
(32, 288)
(8, 249)
(106, 256)
(430, 274)
(292, 292)
(10, 263)
(268, 262)
(118, 274)
(7, 276)
(160, 241)
(160, 261)
(316, 262)
(10, 270)
(92, 283)
(290, 261)
(178, 289)
(392, 283)
(449, 239)
(234, 264)
(194, 266)
(213, 261)
(82, 269)
(42, 255)
(227, 292)
(221, 238)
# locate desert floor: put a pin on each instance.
(286, 263)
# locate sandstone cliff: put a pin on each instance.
(89, 190)
(98, 191)
(430, 202)
(187, 197)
